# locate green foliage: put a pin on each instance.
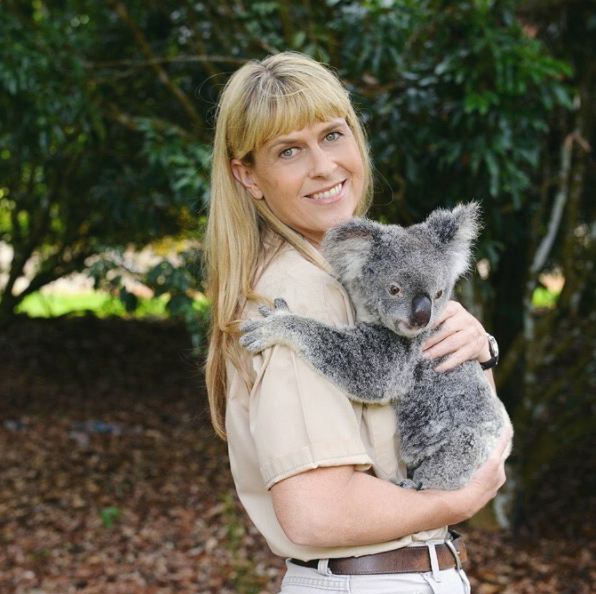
(101, 304)
(545, 298)
(79, 171)
(464, 97)
(173, 281)
(109, 124)
(109, 515)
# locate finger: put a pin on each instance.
(265, 311)
(455, 324)
(441, 344)
(452, 308)
(281, 304)
(248, 326)
(432, 340)
(254, 347)
(247, 341)
(443, 333)
(451, 362)
(502, 448)
(447, 343)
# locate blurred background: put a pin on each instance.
(112, 480)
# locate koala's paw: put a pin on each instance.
(279, 308)
(262, 334)
(410, 484)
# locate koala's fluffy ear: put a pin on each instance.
(346, 247)
(455, 230)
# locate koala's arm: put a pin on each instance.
(349, 356)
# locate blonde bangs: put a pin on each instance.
(284, 96)
(276, 115)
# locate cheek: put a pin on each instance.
(279, 191)
(288, 185)
(354, 161)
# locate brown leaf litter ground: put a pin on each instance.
(112, 482)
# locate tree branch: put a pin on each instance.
(198, 40)
(558, 208)
(152, 62)
(157, 67)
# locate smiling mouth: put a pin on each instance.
(327, 194)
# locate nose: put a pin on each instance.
(421, 311)
(321, 163)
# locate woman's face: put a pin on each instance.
(311, 179)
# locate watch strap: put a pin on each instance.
(492, 362)
(494, 354)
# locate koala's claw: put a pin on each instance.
(279, 306)
(410, 484)
(266, 311)
(261, 334)
(249, 326)
(254, 339)
(252, 345)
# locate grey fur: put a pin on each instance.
(448, 423)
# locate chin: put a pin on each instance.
(339, 218)
(404, 329)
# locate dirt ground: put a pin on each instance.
(112, 482)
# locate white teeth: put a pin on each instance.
(328, 193)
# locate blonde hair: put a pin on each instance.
(262, 100)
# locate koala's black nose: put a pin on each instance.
(421, 310)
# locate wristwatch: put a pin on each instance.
(493, 348)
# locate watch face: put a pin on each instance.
(493, 346)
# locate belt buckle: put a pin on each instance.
(455, 552)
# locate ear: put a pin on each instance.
(347, 247)
(244, 174)
(454, 231)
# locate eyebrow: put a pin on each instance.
(292, 139)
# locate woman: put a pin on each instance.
(315, 471)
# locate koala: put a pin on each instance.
(400, 281)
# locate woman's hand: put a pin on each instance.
(461, 336)
(339, 506)
(485, 482)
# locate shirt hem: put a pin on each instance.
(272, 473)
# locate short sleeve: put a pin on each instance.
(300, 420)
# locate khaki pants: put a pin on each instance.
(305, 580)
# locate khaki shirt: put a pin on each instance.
(293, 419)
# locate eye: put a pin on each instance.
(439, 295)
(394, 290)
(289, 152)
(332, 136)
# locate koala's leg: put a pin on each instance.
(344, 355)
(451, 466)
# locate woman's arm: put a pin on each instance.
(338, 506)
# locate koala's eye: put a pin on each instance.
(394, 290)
(439, 295)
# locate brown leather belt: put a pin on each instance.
(412, 559)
